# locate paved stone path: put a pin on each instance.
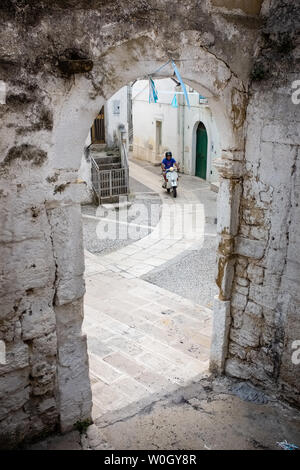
(143, 339)
(181, 227)
(190, 274)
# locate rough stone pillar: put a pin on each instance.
(230, 167)
(74, 392)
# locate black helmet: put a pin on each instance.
(168, 154)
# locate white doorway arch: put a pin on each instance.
(209, 149)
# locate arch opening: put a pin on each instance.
(134, 264)
(74, 110)
(46, 115)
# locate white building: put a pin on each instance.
(190, 134)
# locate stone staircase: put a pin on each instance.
(107, 160)
(109, 178)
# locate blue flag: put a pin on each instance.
(153, 96)
(181, 83)
(174, 102)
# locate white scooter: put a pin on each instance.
(172, 178)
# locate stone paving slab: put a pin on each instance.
(124, 345)
(102, 370)
(140, 336)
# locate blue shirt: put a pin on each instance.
(168, 163)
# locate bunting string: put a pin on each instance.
(153, 94)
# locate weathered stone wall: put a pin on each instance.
(49, 108)
(40, 321)
(265, 308)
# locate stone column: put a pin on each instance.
(73, 385)
(230, 167)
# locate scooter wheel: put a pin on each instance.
(168, 189)
(174, 192)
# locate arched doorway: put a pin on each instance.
(41, 152)
(201, 151)
(98, 128)
(87, 110)
(64, 286)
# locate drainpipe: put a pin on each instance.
(129, 114)
(182, 130)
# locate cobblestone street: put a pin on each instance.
(146, 338)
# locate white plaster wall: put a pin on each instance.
(146, 114)
(112, 120)
(84, 172)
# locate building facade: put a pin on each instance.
(190, 134)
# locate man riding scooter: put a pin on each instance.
(169, 165)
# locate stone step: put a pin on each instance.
(97, 147)
(111, 199)
(106, 160)
(109, 166)
(215, 186)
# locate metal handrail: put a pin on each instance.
(108, 183)
(96, 188)
(113, 182)
(124, 156)
(122, 147)
(124, 160)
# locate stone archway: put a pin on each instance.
(57, 80)
(81, 105)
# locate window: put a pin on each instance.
(116, 106)
(202, 99)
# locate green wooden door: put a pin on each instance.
(201, 151)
